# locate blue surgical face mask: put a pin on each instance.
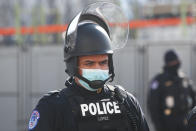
(93, 74)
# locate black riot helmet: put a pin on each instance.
(172, 62)
(91, 39)
(89, 33)
(170, 56)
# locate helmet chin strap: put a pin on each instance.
(95, 84)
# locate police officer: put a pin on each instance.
(170, 96)
(88, 103)
(192, 120)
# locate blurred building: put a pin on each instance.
(161, 11)
(155, 10)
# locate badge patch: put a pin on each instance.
(170, 101)
(167, 112)
(154, 85)
(168, 83)
(34, 119)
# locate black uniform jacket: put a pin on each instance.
(170, 98)
(77, 109)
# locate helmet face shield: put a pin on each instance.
(71, 34)
(115, 19)
(108, 16)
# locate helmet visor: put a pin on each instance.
(112, 19)
(115, 19)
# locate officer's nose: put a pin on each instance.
(97, 66)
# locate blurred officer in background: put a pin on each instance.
(88, 103)
(170, 96)
(192, 120)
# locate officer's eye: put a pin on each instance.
(89, 63)
(105, 62)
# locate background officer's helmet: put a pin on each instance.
(170, 56)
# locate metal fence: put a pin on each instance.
(28, 73)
